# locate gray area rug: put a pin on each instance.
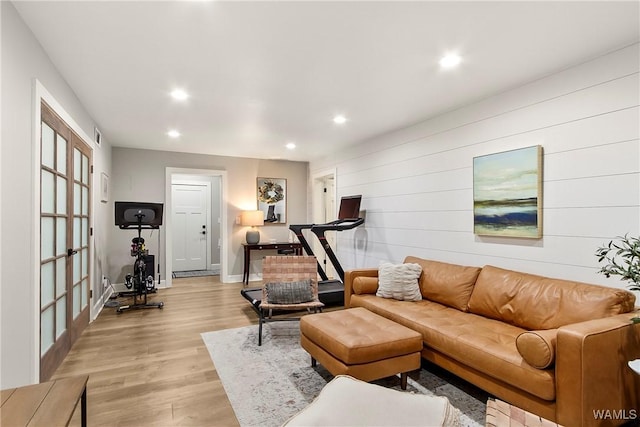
(195, 273)
(269, 384)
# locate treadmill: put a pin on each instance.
(329, 291)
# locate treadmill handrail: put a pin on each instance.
(339, 224)
(319, 230)
(297, 229)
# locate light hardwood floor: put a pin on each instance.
(150, 367)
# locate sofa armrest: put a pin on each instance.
(349, 277)
(594, 384)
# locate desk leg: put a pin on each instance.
(83, 407)
(245, 274)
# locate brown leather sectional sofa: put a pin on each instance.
(553, 347)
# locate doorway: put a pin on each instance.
(324, 210)
(195, 233)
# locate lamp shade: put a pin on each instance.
(252, 218)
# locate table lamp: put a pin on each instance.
(252, 219)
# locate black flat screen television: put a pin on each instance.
(349, 207)
(127, 214)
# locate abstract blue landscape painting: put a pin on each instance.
(507, 193)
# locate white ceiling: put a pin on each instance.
(261, 74)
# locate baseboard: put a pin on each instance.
(236, 278)
(99, 304)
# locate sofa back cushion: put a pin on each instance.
(448, 284)
(536, 302)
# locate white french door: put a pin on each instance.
(189, 222)
(64, 239)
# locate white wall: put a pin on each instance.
(417, 182)
(139, 176)
(23, 61)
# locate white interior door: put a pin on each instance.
(189, 222)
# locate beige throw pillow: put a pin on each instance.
(399, 281)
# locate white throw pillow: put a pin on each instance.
(399, 281)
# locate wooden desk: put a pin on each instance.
(45, 404)
(297, 247)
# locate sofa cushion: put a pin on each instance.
(365, 285)
(538, 348)
(448, 284)
(399, 281)
(535, 302)
(488, 346)
(358, 336)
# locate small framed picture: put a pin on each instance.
(97, 136)
(104, 187)
(272, 200)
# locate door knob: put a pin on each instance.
(204, 232)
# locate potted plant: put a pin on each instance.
(622, 258)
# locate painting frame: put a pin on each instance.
(507, 193)
(97, 136)
(104, 187)
(271, 196)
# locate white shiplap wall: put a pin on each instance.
(417, 182)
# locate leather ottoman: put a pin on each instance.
(361, 344)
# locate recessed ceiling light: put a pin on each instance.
(339, 119)
(450, 60)
(173, 133)
(290, 146)
(179, 94)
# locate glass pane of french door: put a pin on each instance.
(53, 206)
(81, 175)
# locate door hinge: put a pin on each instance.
(90, 231)
(91, 169)
(90, 293)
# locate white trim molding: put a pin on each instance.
(224, 232)
(40, 93)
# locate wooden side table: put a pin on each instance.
(46, 404)
(297, 247)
